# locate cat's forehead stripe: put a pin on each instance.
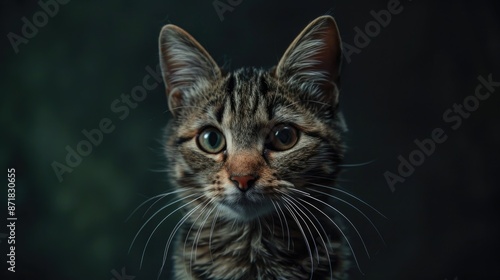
(230, 92)
(219, 112)
(248, 87)
(256, 103)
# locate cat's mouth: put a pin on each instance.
(246, 206)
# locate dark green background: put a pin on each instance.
(441, 219)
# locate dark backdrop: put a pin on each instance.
(395, 90)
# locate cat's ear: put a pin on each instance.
(312, 61)
(185, 65)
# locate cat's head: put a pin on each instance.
(241, 141)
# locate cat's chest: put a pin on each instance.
(249, 253)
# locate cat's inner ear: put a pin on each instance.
(312, 61)
(185, 65)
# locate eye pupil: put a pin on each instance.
(211, 140)
(284, 135)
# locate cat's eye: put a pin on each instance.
(283, 137)
(211, 140)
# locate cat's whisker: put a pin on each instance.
(142, 204)
(348, 165)
(159, 199)
(287, 206)
(198, 234)
(172, 234)
(348, 220)
(319, 234)
(272, 219)
(351, 195)
(299, 191)
(296, 210)
(281, 221)
(337, 226)
(194, 240)
(265, 222)
(211, 234)
(286, 224)
(149, 199)
(150, 218)
(158, 170)
(161, 222)
(309, 176)
(357, 209)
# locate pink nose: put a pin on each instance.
(243, 182)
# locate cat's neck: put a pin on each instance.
(247, 239)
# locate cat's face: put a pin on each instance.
(240, 142)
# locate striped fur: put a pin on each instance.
(279, 228)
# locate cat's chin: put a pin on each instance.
(245, 209)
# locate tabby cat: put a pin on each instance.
(252, 154)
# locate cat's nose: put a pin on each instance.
(243, 182)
